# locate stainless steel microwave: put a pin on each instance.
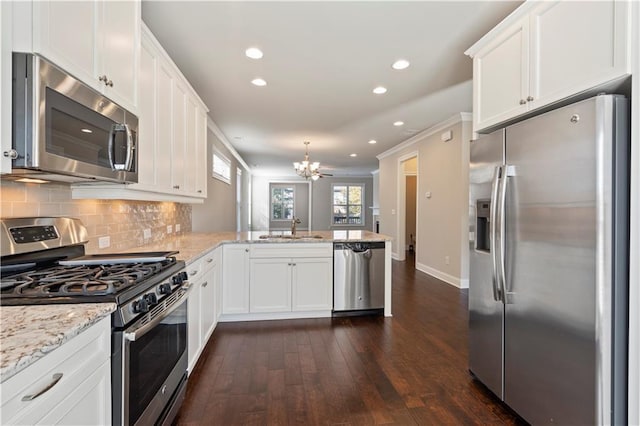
(64, 130)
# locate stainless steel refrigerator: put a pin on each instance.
(548, 263)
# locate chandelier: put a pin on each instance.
(307, 169)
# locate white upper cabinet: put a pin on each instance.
(545, 52)
(5, 86)
(172, 136)
(96, 41)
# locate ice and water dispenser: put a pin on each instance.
(483, 224)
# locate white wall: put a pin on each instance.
(442, 224)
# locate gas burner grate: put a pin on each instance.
(78, 281)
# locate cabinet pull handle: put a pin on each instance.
(194, 272)
(529, 98)
(522, 102)
(176, 186)
(109, 83)
(210, 260)
(199, 191)
(103, 78)
(206, 283)
(246, 250)
(54, 380)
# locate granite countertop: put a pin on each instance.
(193, 245)
(29, 334)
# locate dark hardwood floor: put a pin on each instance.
(410, 369)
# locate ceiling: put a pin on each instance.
(321, 62)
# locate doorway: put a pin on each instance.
(407, 207)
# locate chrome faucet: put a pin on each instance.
(294, 222)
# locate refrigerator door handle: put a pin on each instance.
(493, 217)
(507, 171)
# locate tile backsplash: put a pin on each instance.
(123, 221)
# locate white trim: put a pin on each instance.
(375, 172)
(216, 175)
(211, 125)
(453, 120)
(273, 316)
(121, 192)
(443, 276)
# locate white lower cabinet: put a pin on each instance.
(312, 284)
(280, 280)
(270, 288)
(202, 305)
(71, 385)
(235, 279)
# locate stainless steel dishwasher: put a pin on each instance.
(358, 278)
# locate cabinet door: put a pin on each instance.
(5, 85)
(270, 288)
(66, 33)
(576, 46)
(164, 127)
(501, 77)
(312, 287)
(194, 324)
(88, 404)
(201, 156)
(120, 29)
(179, 137)
(235, 280)
(148, 171)
(208, 312)
(191, 159)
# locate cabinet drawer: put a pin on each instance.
(292, 250)
(75, 361)
(199, 267)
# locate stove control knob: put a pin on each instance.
(184, 276)
(140, 306)
(177, 279)
(151, 299)
(164, 288)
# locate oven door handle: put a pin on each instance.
(137, 332)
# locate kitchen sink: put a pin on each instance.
(290, 237)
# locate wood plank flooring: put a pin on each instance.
(410, 369)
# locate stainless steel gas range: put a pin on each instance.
(43, 262)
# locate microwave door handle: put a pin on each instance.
(118, 128)
(493, 232)
(110, 147)
(130, 147)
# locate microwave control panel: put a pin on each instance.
(33, 234)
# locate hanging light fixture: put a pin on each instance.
(306, 169)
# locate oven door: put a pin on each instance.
(62, 126)
(153, 364)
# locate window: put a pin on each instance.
(221, 167)
(282, 201)
(348, 204)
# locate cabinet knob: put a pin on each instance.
(109, 83)
(529, 98)
(247, 250)
(176, 186)
(103, 78)
(199, 191)
(206, 283)
(522, 102)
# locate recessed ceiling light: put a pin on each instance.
(380, 90)
(253, 53)
(398, 123)
(400, 64)
(372, 141)
(86, 130)
(353, 155)
(258, 82)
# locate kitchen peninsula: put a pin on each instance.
(249, 276)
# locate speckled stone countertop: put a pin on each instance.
(27, 335)
(194, 245)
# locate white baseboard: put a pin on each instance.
(395, 256)
(443, 276)
(273, 316)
